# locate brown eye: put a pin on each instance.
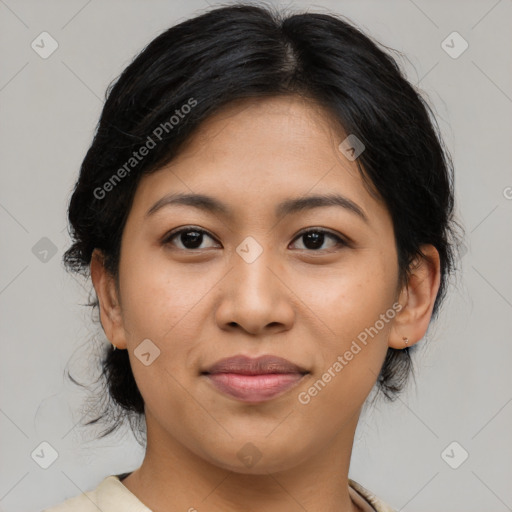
(314, 239)
(190, 238)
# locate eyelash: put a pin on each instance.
(340, 242)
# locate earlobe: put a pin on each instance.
(417, 299)
(110, 312)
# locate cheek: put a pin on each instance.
(349, 299)
(157, 296)
(161, 304)
(355, 309)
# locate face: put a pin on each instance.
(314, 283)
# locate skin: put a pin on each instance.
(304, 304)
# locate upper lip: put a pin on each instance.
(254, 366)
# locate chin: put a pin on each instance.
(257, 457)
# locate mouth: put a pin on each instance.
(254, 379)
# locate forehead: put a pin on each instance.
(284, 124)
(261, 151)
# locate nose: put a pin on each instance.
(255, 296)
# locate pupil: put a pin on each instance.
(195, 237)
(315, 238)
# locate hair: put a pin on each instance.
(248, 51)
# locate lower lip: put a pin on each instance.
(254, 388)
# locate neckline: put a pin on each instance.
(359, 498)
(356, 491)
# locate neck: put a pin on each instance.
(173, 478)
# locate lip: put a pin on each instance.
(254, 379)
(262, 365)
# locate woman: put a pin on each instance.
(266, 216)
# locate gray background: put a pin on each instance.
(49, 109)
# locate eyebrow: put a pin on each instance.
(287, 207)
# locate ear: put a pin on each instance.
(417, 299)
(110, 309)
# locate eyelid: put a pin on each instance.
(170, 234)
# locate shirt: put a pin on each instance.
(112, 496)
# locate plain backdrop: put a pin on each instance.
(404, 452)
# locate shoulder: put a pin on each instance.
(377, 504)
(84, 502)
(109, 496)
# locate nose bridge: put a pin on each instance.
(252, 261)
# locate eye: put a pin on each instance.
(315, 238)
(189, 237)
